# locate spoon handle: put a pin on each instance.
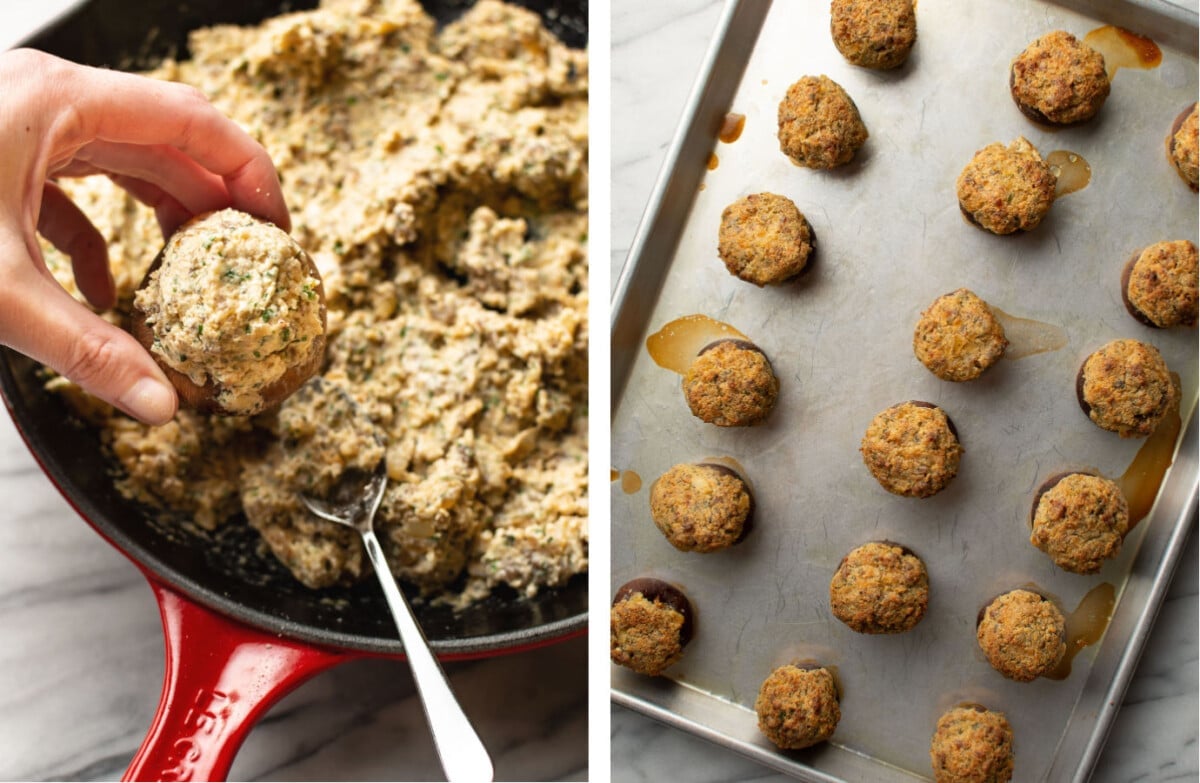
(464, 758)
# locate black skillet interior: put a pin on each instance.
(227, 571)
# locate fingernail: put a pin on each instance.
(149, 400)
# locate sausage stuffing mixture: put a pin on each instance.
(1059, 80)
(235, 305)
(880, 587)
(877, 34)
(731, 384)
(972, 744)
(765, 239)
(797, 706)
(1023, 635)
(439, 181)
(701, 508)
(819, 124)
(1006, 189)
(648, 626)
(1125, 387)
(1080, 521)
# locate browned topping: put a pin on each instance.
(1059, 80)
(731, 385)
(1006, 189)
(1159, 284)
(877, 34)
(764, 239)
(701, 508)
(958, 337)
(972, 745)
(1022, 635)
(1126, 388)
(1183, 147)
(650, 623)
(1048, 485)
(911, 449)
(798, 707)
(880, 588)
(819, 126)
(1080, 522)
(665, 593)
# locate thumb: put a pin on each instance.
(45, 323)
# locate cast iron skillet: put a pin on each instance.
(240, 631)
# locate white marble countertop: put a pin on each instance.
(81, 656)
(657, 53)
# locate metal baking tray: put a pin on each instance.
(890, 239)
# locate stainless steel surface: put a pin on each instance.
(890, 240)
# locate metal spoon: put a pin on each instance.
(353, 502)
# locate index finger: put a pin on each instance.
(133, 109)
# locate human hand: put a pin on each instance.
(165, 144)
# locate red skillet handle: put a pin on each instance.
(221, 676)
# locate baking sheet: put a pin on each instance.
(891, 239)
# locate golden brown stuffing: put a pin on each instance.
(1126, 388)
(819, 125)
(1080, 522)
(1161, 284)
(1006, 189)
(764, 239)
(731, 384)
(701, 508)
(958, 337)
(911, 449)
(647, 633)
(798, 706)
(1022, 634)
(1059, 80)
(880, 588)
(972, 745)
(874, 33)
